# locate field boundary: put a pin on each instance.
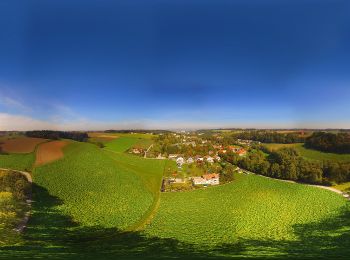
(23, 223)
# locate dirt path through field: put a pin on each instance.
(49, 152)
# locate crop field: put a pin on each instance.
(311, 154)
(20, 162)
(252, 208)
(20, 144)
(143, 143)
(89, 182)
(49, 152)
(121, 144)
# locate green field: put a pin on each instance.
(311, 154)
(250, 210)
(88, 182)
(20, 162)
(105, 204)
(121, 144)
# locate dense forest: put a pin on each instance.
(270, 137)
(329, 142)
(48, 134)
(287, 164)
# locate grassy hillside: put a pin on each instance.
(93, 188)
(253, 208)
(311, 154)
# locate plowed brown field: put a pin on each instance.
(50, 152)
(20, 144)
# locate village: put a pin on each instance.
(194, 159)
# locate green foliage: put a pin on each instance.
(329, 142)
(250, 208)
(14, 190)
(96, 190)
(22, 162)
(310, 154)
(270, 136)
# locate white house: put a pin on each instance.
(199, 159)
(190, 160)
(210, 159)
(180, 161)
(173, 156)
(207, 179)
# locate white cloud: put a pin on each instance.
(10, 122)
(14, 104)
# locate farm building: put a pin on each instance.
(206, 179)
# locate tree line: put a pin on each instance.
(55, 135)
(270, 136)
(329, 142)
(287, 164)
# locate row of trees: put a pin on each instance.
(270, 136)
(288, 164)
(329, 142)
(48, 134)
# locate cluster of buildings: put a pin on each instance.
(235, 149)
(180, 160)
(205, 180)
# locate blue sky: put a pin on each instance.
(174, 64)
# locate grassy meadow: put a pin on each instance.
(88, 182)
(252, 208)
(310, 153)
(22, 162)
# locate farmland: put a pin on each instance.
(121, 144)
(311, 154)
(17, 161)
(20, 144)
(83, 178)
(49, 152)
(105, 203)
(246, 210)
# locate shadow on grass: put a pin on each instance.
(52, 235)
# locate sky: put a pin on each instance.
(174, 64)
